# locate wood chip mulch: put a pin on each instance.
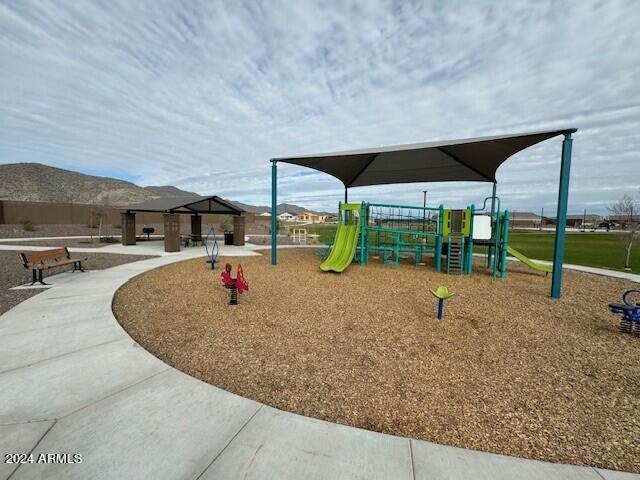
(508, 370)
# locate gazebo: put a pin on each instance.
(172, 208)
(472, 159)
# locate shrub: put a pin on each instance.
(27, 226)
(108, 240)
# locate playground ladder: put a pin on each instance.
(454, 254)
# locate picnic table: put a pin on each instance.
(189, 239)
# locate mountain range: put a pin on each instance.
(35, 182)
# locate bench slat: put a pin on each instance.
(47, 266)
(44, 255)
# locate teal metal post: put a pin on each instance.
(494, 224)
(561, 217)
(497, 244)
(469, 251)
(438, 253)
(363, 233)
(504, 243)
(274, 213)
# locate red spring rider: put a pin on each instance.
(236, 285)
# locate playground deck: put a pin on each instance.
(508, 371)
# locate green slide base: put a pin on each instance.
(345, 243)
(343, 251)
(541, 267)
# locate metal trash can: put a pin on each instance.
(228, 238)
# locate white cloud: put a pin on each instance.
(201, 95)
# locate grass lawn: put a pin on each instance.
(326, 232)
(602, 250)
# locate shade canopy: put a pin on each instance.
(193, 204)
(472, 159)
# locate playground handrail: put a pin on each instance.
(484, 204)
(404, 232)
(433, 209)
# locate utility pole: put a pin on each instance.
(541, 217)
(424, 211)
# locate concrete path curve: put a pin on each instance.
(73, 382)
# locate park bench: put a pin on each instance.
(44, 260)
(191, 238)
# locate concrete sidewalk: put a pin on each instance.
(73, 382)
(152, 247)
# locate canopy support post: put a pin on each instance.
(561, 217)
(346, 194)
(274, 213)
(494, 224)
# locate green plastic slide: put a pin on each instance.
(346, 240)
(542, 267)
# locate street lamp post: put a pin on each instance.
(424, 211)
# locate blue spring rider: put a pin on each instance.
(629, 311)
(211, 247)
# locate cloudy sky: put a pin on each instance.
(201, 95)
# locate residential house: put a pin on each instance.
(524, 220)
(308, 217)
(287, 217)
(581, 219)
(623, 220)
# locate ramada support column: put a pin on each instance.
(561, 217)
(128, 222)
(238, 230)
(274, 212)
(171, 232)
(196, 227)
(494, 224)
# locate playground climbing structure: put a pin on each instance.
(389, 233)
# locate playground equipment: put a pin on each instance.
(235, 285)
(299, 235)
(629, 311)
(547, 268)
(392, 232)
(211, 247)
(469, 159)
(441, 293)
(346, 240)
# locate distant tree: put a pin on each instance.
(96, 219)
(627, 210)
(225, 223)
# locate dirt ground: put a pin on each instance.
(508, 370)
(17, 231)
(69, 242)
(13, 273)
